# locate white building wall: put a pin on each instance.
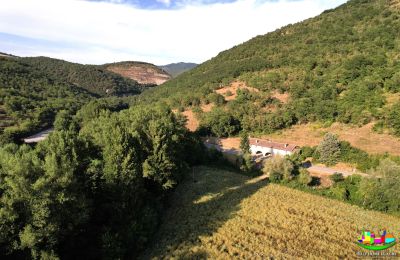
(265, 150)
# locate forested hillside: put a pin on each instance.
(96, 79)
(96, 187)
(340, 66)
(30, 99)
(33, 90)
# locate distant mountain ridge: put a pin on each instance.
(175, 69)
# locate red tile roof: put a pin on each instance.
(271, 144)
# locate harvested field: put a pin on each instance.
(223, 215)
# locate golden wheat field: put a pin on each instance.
(224, 215)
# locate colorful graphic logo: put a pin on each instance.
(369, 241)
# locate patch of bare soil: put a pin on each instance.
(392, 98)
(229, 92)
(142, 74)
(192, 122)
(324, 180)
(208, 107)
(395, 4)
(284, 97)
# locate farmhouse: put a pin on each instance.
(268, 147)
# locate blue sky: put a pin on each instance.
(156, 31)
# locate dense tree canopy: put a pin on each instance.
(95, 192)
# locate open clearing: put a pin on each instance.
(192, 122)
(363, 137)
(224, 215)
(311, 134)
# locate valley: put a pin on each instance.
(285, 146)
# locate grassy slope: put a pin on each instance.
(225, 215)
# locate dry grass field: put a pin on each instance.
(224, 215)
(362, 137)
(311, 134)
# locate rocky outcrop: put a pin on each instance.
(144, 73)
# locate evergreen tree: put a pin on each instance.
(244, 142)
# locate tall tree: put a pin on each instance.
(329, 149)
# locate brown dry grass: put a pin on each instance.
(223, 215)
(192, 122)
(208, 107)
(361, 137)
(284, 98)
(233, 87)
(392, 98)
(395, 4)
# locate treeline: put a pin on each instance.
(338, 67)
(96, 187)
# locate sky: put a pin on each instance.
(155, 31)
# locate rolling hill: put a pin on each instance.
(341, 66)
(175, 69)
(93, 78)
(144, 73)
(224, 215)
(34, 89)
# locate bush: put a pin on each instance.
(275, 177)
(336, 177)
(279, 168)
(304, 177)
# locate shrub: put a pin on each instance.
(304, 177)
(275, 177)
(279, 168)
(336, 177)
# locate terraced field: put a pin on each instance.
(223, 215)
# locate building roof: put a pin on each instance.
(274, 145)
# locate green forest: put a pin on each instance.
(96, 187)
(33, 90)
(337, 67)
